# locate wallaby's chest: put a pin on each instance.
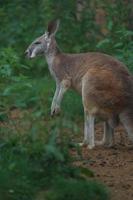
(50, 61)
(56, 68)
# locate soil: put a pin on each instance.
(112, 166)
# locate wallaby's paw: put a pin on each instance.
(55, 111)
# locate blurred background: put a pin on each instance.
(26, 88)
(85, 25)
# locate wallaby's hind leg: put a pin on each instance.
(108, 137)
(89, 131)
(114, 121)
(126, 119)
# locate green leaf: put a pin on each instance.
(102, 43)
(118, 45)
(86, 172)
(110, 25)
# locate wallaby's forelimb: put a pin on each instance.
(54, 106)
(61, 88)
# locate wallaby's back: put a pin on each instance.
(106, 71)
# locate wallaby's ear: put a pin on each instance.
(53, 27)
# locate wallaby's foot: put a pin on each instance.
(108, 145)
(104, 143)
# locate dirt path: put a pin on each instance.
(112, 166)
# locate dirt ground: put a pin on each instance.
(113, 166)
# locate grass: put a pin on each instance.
(30, 164)
(34, 148)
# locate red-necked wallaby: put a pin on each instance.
(104, 83)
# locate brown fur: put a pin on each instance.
(106, 80)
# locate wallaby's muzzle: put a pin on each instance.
(28, 53)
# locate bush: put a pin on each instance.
(70, 189)
(29, 165)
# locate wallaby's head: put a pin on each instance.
(44, 43)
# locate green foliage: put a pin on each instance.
(74, 189)
(75, 35)
(118, 41)
(29, 165)
(121, 46)
(9, 63)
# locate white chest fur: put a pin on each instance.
(50, 59)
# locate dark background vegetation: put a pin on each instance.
(34, 147)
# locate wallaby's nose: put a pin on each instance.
(26, 53)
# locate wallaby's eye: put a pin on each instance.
(37, 42)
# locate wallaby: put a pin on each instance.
(104, 83)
